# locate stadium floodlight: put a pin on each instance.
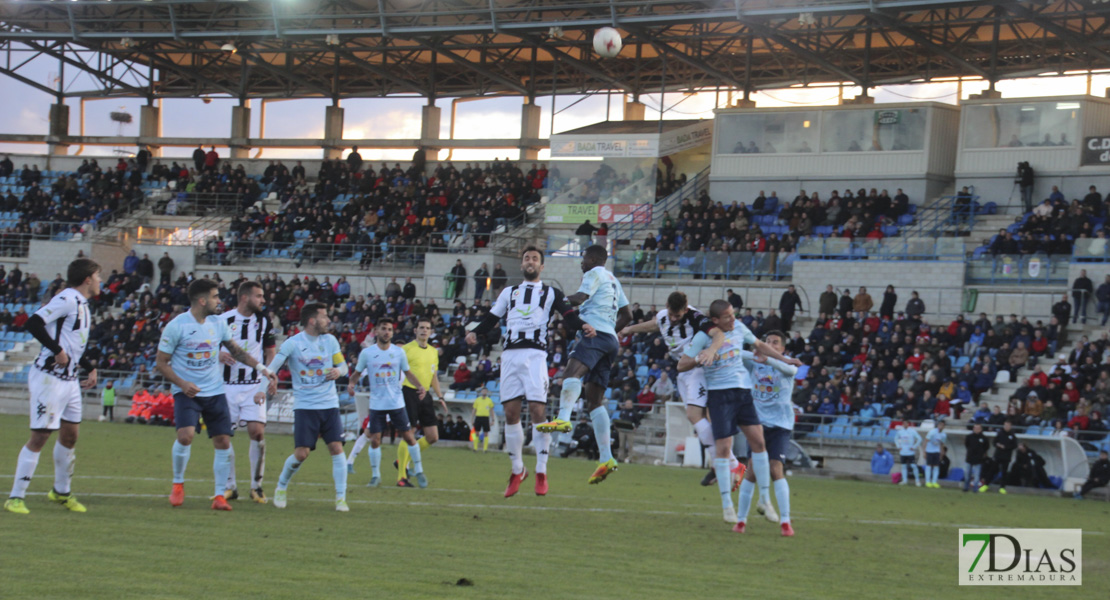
(332, 39)
(229, 47)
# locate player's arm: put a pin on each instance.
(707, 356)
(570, 316)
(420, 391)
(699, 343)
(162, 364)
(787, 370)
(269, 343)
(624, 317)
(356, 374)
(648, 326)
(436, 389)
(36, 326)
(490, 320)
(765, 349)
(270, 386)
(339, 365)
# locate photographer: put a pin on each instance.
(1025, 180)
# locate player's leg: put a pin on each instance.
(331, 430)
(761, 464)
(257, 432)
(782, 497)
(905, 470)
(186, 417)
(25, 467)
(537, 409)
(375, 424)
(356, 448)
(400, 421)
(234, 408)
(744, 502)
(692, 390)
(723, 406)
(412, 412)
(217, 420)
(514, 444)
(64, 457)
(306, 430)
(568, 397)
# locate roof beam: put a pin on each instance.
(780, 39)
(249, 57)
(1060, 31)
(95, 73)
(446, 51)
(693, 61)
(582, 66)
(373, 69)
(923, 41)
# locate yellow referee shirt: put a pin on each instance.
(424, 362)
(482, 406)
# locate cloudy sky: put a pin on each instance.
(25, 110)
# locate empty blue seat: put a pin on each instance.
(955, 474)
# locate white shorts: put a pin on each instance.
(524, 373)
(241, 406)
(691, 387)
(53, 400)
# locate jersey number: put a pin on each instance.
(614, 296)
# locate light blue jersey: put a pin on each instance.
(907, 441)
(309, 359)
(934, 440)
(772, 387)
(728, 371)
(386, 370)
(606, 297)
(195, 351)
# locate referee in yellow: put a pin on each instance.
(424, 363)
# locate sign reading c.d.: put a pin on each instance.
(1096, 151)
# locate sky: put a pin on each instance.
(26, 111)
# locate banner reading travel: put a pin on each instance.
(570, 213)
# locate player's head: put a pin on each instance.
(85, 274)
(423, 329)
(384, 331)
(314, 319)
(720, 312)
(775, 339)
(594, 256)
(676, 305)
(940, 425)
(205, 294)
(531, 263)
(251, 297)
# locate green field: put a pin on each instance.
(647, 532)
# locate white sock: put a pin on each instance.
(782, 498)
(24, 471)
(542, 443)
(761, 466)
(724, 481)
(704, 432)
(258, 462)
(63, 467)
(231, 485)
(359, 444)
(572, 389)
(747, 490)
(514, 445)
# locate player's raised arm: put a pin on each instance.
(781, 367)
(491, 319)
(624, 317)
(699, 343)
(648, 326)
(765, 349)
(570, 316)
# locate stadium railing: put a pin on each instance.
(380, 253)
(703, 265)
(1034, 268)
(1095, 250)
(898, 248)
(201, 204)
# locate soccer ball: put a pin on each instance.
(607, 42)
(101, 418)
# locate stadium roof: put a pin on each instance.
(347, 48)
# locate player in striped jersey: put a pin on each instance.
(527, 309)
(62, 327)
(254, 332)
(677, 324)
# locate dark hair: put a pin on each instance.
(387, 321)
(677, 301)
(420, 320)
(200, 288)
(781, 335)
(80, 270)
(597, 254)
(309, 311)
(719, 308)
(533, 249)
(246, 287)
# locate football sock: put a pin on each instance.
(572, 389)
(782, 498)
(180, 461)
(905, 474)
(375, 461)
(63, 467)
(474, 439)
(231, 485)
(724, 481)
(762, 466)
(220, 464)
(747, 489)
(339, 475)
(514, 444)
(359, 444)
(916, 477)
(600, 418)
(291, 466)
(402, 459)
(24, 471)
(704, 432)
(414, 454)
(258, 462)
(935, 473)
(542, 443)
(423, 442)
(485, 442)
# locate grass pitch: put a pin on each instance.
(646, 532)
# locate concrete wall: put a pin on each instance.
(184, 257)
(438, 265)
(918, 188)
(46, 258)
(940, 284)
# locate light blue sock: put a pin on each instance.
(180, 456)
(936, 474)
(600, 418)
(339, 474)
(916, 477)
(782, 498)
(375, 461)
(747, 489)
(724, 480)
(572, 389)
(905, 474)
(221, 464)
(761, 464)
(414, 454)
(291, 466)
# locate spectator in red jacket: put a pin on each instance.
(1039, 345)
(1037, 378)
(915, 360)
(943, 408)
(462, 378)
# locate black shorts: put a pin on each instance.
(908, 460)
(777, 441)
(728, 410)
(422, 413)
(188, 411)
(598, 354)
(932, 459)
(310, 425)
(398, 417)
(481, 424)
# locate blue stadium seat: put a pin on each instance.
(1034, 430)
(955, 474)
(641, 371)
(1057, 482)
(823, 429)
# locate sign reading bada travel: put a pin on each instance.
(1021, 557)
(597, 213)
(1096, 151)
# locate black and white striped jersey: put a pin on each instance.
(67, 320)
(527, 309)
(678, 334)
(253, 334)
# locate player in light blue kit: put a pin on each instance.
(315, 361)
(384, 365)
(772, 388)
(908, 441)
(604, 309)
(189, 358)
(933, 442)
(731, 409)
